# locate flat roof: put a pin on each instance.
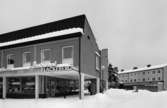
(143, 69)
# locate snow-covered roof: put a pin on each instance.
(144, 68)
(43, 36)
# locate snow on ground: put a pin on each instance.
(113, 98)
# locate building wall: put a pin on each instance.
(104, 62)
(88, 52)
(143, 76)
(124, 77)
(56, 51)
(165, 77)
(18, 55)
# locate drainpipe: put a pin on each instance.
(80, 94)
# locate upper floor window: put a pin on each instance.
(153, 79)
(45, 55)
(26, 59)
(67, 55)
(153, 72)
(10, 61)
(97, 61)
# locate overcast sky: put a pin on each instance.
(135, 31)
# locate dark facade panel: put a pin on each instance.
(43, 40)
(73, 22)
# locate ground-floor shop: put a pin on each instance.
(151, 86)
(43, 83)
(24, 87)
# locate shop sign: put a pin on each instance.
(55, 68)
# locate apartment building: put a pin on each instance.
(50, 59)
(153, 78)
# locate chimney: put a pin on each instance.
(149, 65)
(122, 70)
(135, 67)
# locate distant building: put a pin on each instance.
(153, 78)
(50, 59)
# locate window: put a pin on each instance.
(153, 79)
(26, 59)
(143, 73)
(10, 61)
(97, 61)
(143, 79)
(134, 80)
(159, 78)
(45, 55)
(67, 55)
(153, 72)
(159, 71)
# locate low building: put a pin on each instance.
(50, 59)
(153, 78)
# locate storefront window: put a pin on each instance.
(28, 85)
(18, 85)
(67, 57)
(14, 85)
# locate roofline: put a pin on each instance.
(43, 24)
(67, 23)
(143, 69)
(92, 32)
(43, 36)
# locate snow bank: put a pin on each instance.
(112, 98)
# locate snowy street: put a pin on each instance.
(112, 98)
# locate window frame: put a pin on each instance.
(9, 65)
(72, 58)
(42, 55)
(97, 55)
(24, 59)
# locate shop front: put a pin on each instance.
(39, 81)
